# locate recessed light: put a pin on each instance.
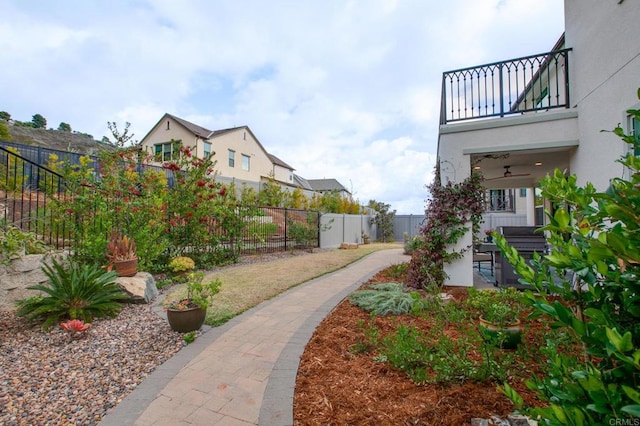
(538, 163)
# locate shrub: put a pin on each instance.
(14, 241)
(384, 299)
(181, 264)
(74, 291)
(593, 266)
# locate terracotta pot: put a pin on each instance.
(126, 268)
(186, 320)
(507, 336)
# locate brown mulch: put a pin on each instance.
(338, 386)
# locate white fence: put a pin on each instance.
(344, 228)
(411, 223)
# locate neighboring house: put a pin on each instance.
(518, 120)
(240, 156)
(328, 185)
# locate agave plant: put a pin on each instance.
(73, 291)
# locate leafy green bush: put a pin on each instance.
(14, 241)
(384, 299)
(499, 307)
(74, 291)
(409, 351)
(594, 266)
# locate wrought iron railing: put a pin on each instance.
(28, 190)
(531, 83)
(500, 201)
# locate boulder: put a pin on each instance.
(141, 287)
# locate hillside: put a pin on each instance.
(57, 139)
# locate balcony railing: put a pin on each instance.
(532, 83)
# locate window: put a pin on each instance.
(523, 192)
(166, 150)
(245, 162)
(168, 127)
(500, 200)
(232, 158)
(543, 99)
(207, 149)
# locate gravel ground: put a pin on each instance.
(50, 378)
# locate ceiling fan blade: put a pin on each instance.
(510, 176)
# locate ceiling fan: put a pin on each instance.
(507, 174)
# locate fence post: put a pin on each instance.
(285, 229)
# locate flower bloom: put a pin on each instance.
(75, 326)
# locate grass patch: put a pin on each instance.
(245, 286)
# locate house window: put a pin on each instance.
(523, 192)
(542, 101)
(232, 158)
(500, 200)
(245, 162)
(207, 149)
(166, 151)
(168, 128)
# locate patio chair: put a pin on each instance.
(479, 258)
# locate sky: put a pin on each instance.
(344, 89)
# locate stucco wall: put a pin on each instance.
(604, 73)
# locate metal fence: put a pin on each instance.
(42, 156)
(23, 203)
(531, 83)
(28, 190)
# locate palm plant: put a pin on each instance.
(74, 291)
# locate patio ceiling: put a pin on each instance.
(527, 167)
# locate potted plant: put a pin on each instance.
(188, 314)
(499, 313)
(489, 235)
(121, 252)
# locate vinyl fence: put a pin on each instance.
(411, 223)
(344, 228)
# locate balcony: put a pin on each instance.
(517, 86)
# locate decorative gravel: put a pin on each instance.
(50, 378)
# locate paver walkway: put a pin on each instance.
(243, 372)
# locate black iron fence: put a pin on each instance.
(23, 203)
(531, 83)
(42, 156)
(28, 190)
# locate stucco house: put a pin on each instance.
(516, 120)
(239, 154)
(328, 185)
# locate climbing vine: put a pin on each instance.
(449, 210)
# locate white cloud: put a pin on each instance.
(349, 90)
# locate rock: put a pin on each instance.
(520, 420)
(348, 246)
(141, 287)
(479, 422)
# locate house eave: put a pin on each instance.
(493, 123)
